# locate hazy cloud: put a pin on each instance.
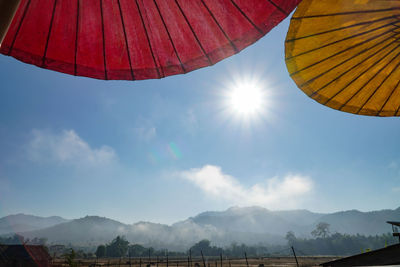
(145, 133)
(190, 122)
(396, 189)
(67, 147)
(393, 165)
(280, 193)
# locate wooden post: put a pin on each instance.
(202, 256)
(140, 262)
(190, 255)
(7, 12)
(247, 262)
(167, 258)
(149, 258)
(220, 257)
(294, 253)
(157, 261)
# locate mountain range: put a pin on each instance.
(249, 225)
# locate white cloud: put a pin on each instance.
(67, 147)
(278, 193)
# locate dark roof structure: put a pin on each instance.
(394, 223)
(394, 228)
(27, 255)
(385, 256)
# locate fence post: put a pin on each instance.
(149, 258)
(202, 256)
(220, 257)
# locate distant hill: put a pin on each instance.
(260, 220)
(93, 230)
(302, 222)
(251, 225)
(365, 223)
(90, 230)
(22, 223)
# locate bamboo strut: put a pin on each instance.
(7, 12)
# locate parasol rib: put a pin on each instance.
(194, 34)
(220, 27)
(246, 17)
(380, 85)
(342, 40)
(104, 40)
(361, 74)
(339, 29)
(19, 27)
(49, 34)
(126, 39)
(278, 7)
(342, 51)
(76, 37)
(169, 36)
(349, 59)
(148, 40)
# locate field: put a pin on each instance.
(198, 262)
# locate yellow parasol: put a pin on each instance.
(345, 54)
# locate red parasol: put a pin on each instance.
(137, 39)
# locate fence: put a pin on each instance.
(209, 261)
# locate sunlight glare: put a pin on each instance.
(246, 97)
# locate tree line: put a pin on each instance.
(322, 243)
(326, 243)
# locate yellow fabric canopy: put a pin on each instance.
(345, 54)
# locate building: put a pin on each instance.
(24, 256)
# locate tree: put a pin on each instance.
(70, 258)
(118, 247)
(321, 230)
(290, 237)
(101, 251)
(205, 247)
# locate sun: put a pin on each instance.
(246, 98)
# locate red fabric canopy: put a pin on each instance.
(137, 39)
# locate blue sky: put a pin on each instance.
(164, 150)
